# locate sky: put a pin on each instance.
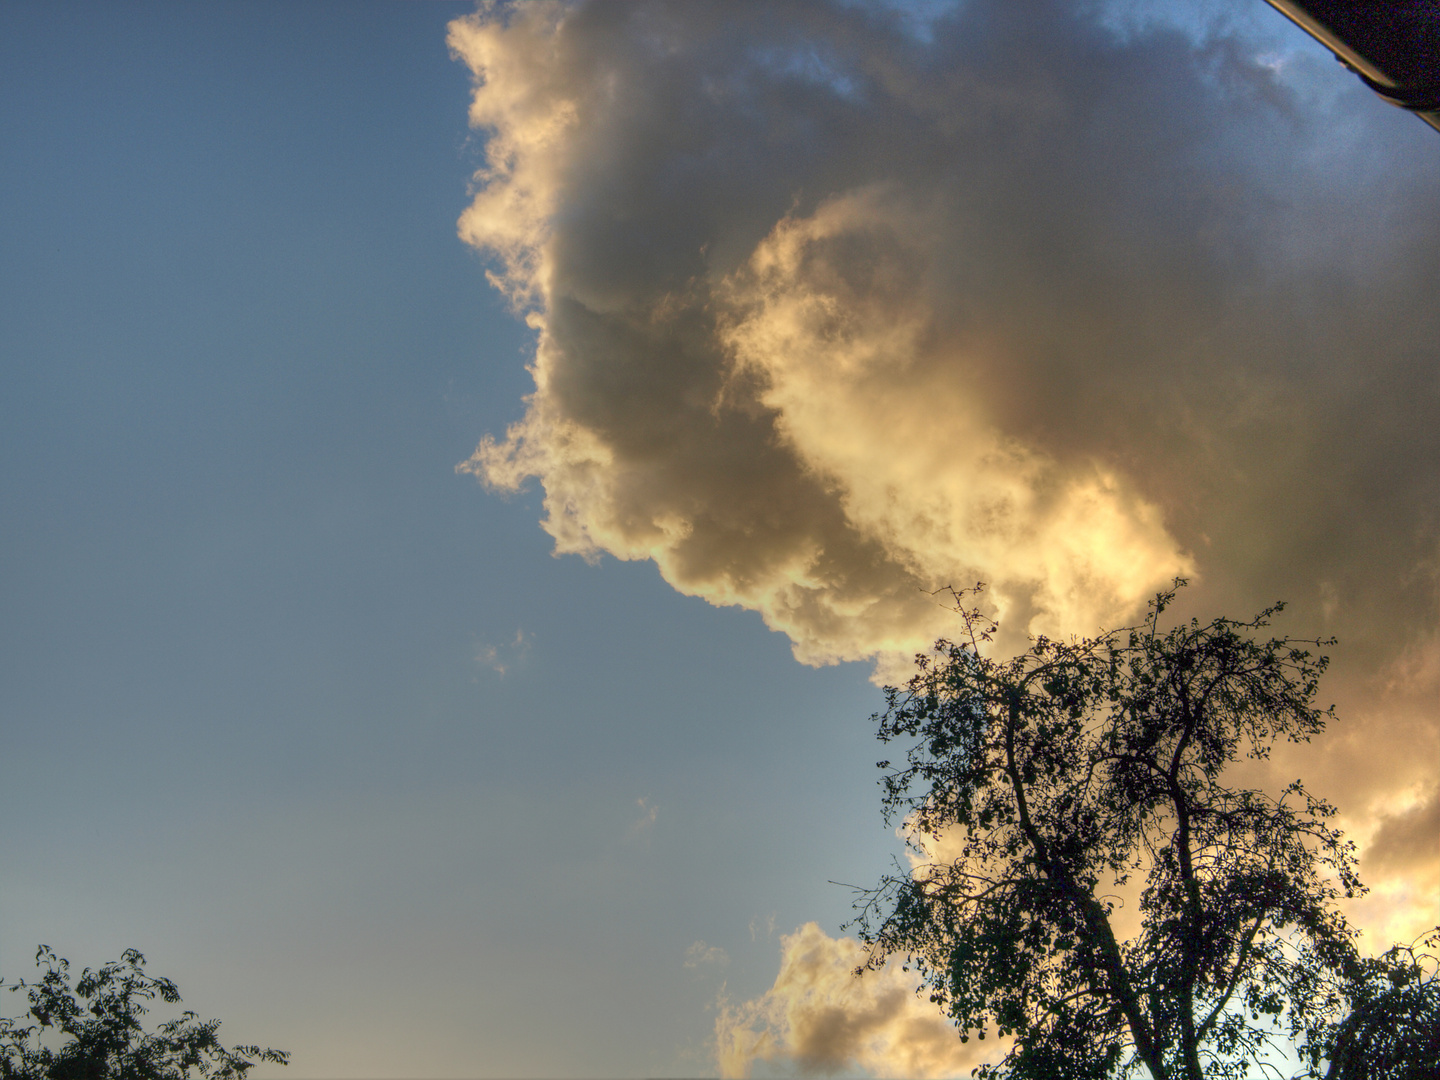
(467, 471)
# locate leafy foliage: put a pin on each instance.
(97, 1025)
(1393, 1029)
(1038, 790)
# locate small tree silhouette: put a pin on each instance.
(100, 1035)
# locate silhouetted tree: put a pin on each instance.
(1393, 1029)
(1079, 770)
(94, 1031)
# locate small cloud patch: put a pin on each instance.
(700, 955)
(642, 825)
(506, 656)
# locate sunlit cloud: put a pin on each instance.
(821, 1018)
(833, 325)
(1402, 863)
(1063, 349)
(833, 309)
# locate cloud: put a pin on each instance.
(834, 308)
(829, 315)
(862, 385)
(1409, 837)
(642, 826)
(1402, 861)
(504, 657)
(824, 1019)
(699, 955)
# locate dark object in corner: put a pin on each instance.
(1392, 45)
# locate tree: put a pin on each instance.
(97, 1026)
(1393, 1029)
(1078, 771)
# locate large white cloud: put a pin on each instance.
(832, 311)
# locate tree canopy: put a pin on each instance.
(94, 1030)
(1088, 884)
(1393, 1029)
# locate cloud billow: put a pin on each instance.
(830, 316)
(832, 313)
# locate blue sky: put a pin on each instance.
(250, 725)
(326, 730)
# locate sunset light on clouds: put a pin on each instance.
(817, 309)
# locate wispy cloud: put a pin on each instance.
(641, 827)
(504, 657)
(700, 955)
